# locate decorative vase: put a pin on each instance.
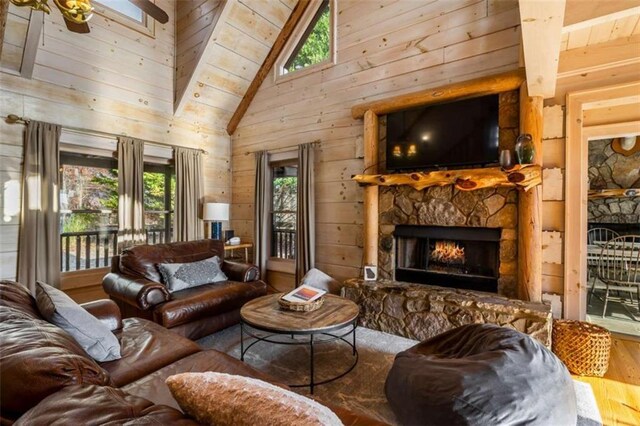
(525, 150)
(506, 159)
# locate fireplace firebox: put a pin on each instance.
(460, 257)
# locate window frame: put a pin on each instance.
(82, 159)
(295, 42)
(146, 27)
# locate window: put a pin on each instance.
(127, 14)
(313, 47)
(284, 205)
(89, 209)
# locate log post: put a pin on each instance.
(370, 250)
(530, 206)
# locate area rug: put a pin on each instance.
(362, 390)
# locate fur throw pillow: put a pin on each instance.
(225, 399)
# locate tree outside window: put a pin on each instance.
(284, 196)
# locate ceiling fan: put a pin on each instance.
(76, 13)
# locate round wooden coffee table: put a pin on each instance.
(335, 320)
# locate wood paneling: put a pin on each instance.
(382, 52)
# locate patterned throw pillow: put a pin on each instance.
(228, 400)
(179, 276)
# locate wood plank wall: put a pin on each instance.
(14, 39)
(385, 48)
(114, 80)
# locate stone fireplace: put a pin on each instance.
(452, 238)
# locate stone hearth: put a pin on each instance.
(421, 311)
(447, 206)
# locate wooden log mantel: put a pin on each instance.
(614, 193)
(524, 177)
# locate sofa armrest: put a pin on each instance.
(106, 311)
(242, 272)
(138, 292)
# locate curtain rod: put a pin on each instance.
(13, 119)
(286, 148)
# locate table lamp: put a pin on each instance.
(215, 213)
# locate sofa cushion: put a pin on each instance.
(180, 276)
(225, 399)
(204, 301)
(153, 387)
(17, 296)
(36, 360)
(99, 405)
(141, 261)
(145, 348)
(94, 336)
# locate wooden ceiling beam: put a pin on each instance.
(34, 31)
(581, 14)
(271, 58)
(541, 23)
(4, 11)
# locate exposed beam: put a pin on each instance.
(4, 11)
(541, 23)
(34, 32)
(206, 47)
(598, 57)
(587, 13)
(271, 58)
(504, 82)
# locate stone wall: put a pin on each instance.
(422, 311)
(447, 206)
(608, 169)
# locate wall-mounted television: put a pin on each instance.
(454, 134)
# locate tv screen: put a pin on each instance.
(455, 134)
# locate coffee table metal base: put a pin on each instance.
(311, 342)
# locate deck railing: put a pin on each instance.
(94, 249)
(283, 243)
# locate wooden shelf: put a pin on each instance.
(523, 177)
(614, 193)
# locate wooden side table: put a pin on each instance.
(245, 246)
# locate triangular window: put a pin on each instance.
(314, 45)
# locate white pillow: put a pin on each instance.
(224, 399)
(318, 279)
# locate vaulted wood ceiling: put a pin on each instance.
(212, 50)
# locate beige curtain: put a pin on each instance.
(130, 192)
(305, 217)
(39, 240)
(261, 217)
(187, 224)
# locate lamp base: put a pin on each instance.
(216, 230)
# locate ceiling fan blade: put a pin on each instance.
(152, 10)
(77, 28)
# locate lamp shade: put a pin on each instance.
(216, 211)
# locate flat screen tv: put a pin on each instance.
(454, 134)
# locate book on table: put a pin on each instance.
(304, 294)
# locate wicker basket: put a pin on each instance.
(584, 348)
(301, 307)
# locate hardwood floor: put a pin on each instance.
(618, 392)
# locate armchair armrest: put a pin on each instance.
(138, 292)
(106, 311)
(243, 272)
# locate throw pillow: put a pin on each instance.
(90, 333)
(179, 276)
(225, 399)
(318, 279)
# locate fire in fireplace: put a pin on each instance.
(460, 257)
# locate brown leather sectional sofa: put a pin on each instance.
(46, 378)
(135, 285)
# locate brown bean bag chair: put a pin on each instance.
(481, 374)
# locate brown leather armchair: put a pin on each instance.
(135, 284)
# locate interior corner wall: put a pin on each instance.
(400, 48)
